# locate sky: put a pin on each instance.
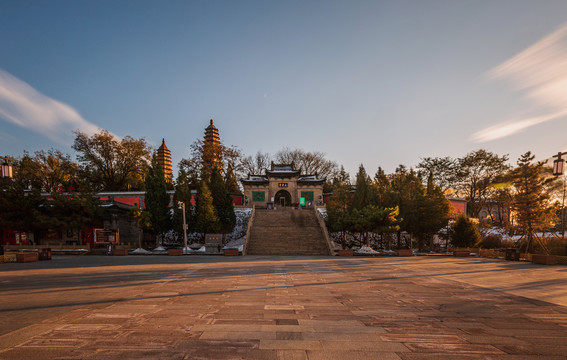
(378, 83)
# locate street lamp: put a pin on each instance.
(558, 170)
(6, 168)
(181, 206)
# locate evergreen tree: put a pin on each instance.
(183, 187)
(222, 203)
(157, 200)
(20, 210)
(434, 213)
(465, 233)
(531, 200)
(230, 182)
(407, 193)
(338, 207)
(363, 194)
(207, 221)
(382, 188)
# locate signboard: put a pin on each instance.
(105, 236)
(302, 201)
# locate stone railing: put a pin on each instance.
(324, 230)
(250, 221)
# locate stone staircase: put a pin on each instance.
(286, 231)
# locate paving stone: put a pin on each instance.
(283, 308)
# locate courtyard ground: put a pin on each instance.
(259, 307)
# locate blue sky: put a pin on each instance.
(375, 82)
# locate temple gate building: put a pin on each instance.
(282, 185)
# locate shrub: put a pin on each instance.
(492, 241)
(465, 233)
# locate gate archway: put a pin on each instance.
(282, 198)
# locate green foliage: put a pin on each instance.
(73, 211)
(20, 210)
(46, 170)
(222, 202)
(338, 206)
(364, 193)
(183, 188)
(157, 200)
(112, 164)
(492, 241)
(531, 200)
(230, 182)
(207, 220)
(465, 233)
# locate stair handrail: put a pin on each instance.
(250, 221)
(323, 227)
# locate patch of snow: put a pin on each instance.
(188, 250)
(140, 251)
(366, 250)
(160, 248)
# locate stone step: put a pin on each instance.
(286, 232)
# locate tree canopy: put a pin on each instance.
(112, 164)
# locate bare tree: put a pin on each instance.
(256, 165)
(309, 162)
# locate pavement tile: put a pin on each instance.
(453, 348)
(283, 308)
(291, 344)
(351, 355)
(363, 346)
(292, 355)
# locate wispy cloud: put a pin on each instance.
(540, 71)
(24, 106)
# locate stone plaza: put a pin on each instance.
(276, 307)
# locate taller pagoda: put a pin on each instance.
(212, 149)
(164, 159)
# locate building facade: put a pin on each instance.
(282, 185)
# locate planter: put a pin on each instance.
(26, 257)
(175, 252)
(405, 252)
(230, 252)
(120, 252)
(346, 253)
(461, 253)
(544, 259)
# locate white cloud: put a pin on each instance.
(540, 71)
(24, 106)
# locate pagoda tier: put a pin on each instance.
(164, 159)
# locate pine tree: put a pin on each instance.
(183, 187)
(434, 211)
(222, 203)
(465, 233)
(207, 220)
(531, 200)
(230, 182)
(382, 188)
(338, 207)
(363, 194)
(157, 200)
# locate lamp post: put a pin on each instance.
(181, 205)
(6, 168)
(558, 170)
